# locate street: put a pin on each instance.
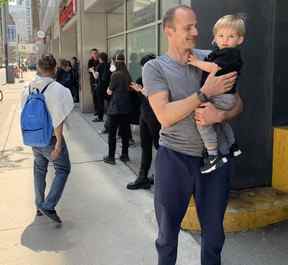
(104, 223)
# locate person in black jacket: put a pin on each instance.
(102, 83)
(75, 70)
(64, 75)
(120, 107)
(92, 65)
(149, 133)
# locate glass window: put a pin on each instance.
(116, 20)
(140, 12)
(166, 4)
(139, 44)
(115, 45)
(163, 40)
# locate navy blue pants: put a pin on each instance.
(177, 178)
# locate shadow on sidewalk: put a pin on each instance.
(42, 235)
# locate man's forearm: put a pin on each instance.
(59, 133)
(175, 111)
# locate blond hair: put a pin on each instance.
(236, 22)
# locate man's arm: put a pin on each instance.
(208, 114)
(169, 113)
(58, 146)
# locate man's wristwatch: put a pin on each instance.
(202, 97)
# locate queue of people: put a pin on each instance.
(175, 106)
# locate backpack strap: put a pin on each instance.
(44, 89)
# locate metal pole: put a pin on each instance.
(4, 12)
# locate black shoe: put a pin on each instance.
(96, 113)
(52, 214)
(211, 163)
(124, 158)
(132, 142)
(109, 160)
(235, 150)
(97, 120)
(38, 213)
(139, 183)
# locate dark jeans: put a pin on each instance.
(149, 135)
(94, 96)
(62, 169)
(177, 178)
(121, 122)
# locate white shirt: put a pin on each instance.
(58, 98)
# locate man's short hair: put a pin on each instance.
(237, 22)
(94, 50)
(168, 18)
(47, 63)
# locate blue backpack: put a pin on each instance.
(36, 122)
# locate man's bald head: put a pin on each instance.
(168, 19)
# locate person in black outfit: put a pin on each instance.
(75, 70)
(102, 83)
(64, 75)
(119, 109)
(92, 65)
(149, 134)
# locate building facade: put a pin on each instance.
(134, 28)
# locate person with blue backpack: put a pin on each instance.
(45, 106)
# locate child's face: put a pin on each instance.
(227, 37)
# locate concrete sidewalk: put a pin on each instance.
(104, 224)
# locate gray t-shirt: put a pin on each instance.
(180, 81)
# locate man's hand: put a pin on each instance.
(208, 114)
(56, 152)
(218, 85)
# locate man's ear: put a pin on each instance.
(241, 40)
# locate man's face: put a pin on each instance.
(184, 33)
(94, 55)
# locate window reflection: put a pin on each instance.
(116, 20)
(140, 43)
(140, 12)
(115, 45)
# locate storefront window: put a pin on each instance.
(116, 20)
(140, 12)
(140, 43)
(115, 45)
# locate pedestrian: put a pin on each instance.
(102, 83)
(59, 104)
(92, 65)
(64, 75)
(229, 34)
(119, 110)
(149, 133)
(76, 80)
(174, 92)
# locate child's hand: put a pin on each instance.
(193, 59)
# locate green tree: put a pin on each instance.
(2, 2)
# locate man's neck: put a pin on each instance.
(179, 55)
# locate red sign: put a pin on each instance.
(67, 12)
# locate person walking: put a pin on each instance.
(59, 102)
(174, 92)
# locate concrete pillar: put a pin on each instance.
(69, 42)
(91, 33)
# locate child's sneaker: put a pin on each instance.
(212, 162)
(235, 150)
